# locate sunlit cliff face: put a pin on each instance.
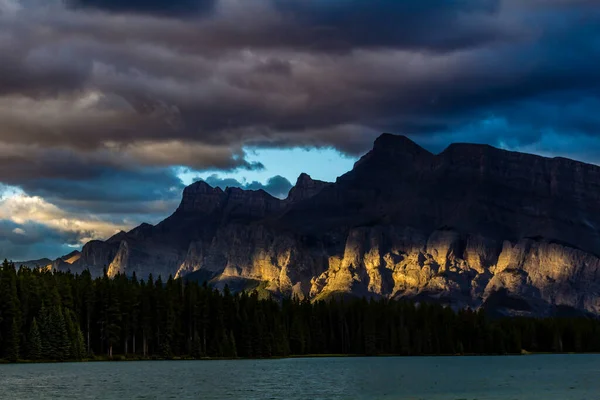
(108, 108)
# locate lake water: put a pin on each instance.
(542, 377)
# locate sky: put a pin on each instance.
(108, 108)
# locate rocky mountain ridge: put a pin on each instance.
(469, 226)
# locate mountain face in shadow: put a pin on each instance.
(458, 227)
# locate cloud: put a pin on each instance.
(94, 182)
(23, 211)
(31, 227)
(196, 92)
(45, 248)
(157, 7)
(277, 186)
(389, 23)
(100, 101)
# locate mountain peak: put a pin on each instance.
(201, 187)
(304, 179)
(249, 204)
(397, 144)
(389, 152)
(200, 196)
(72, 254)
(305, 187)
(117, 237)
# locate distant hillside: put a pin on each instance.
(41, 263)
(63, 262)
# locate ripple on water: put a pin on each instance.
(430, 378)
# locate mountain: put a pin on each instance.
(63, 262)
(472, 226)
(41, 263)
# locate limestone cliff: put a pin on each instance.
(459, 227)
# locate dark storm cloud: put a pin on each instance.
(18, 76)
(169, 81)
(155, 7)
(436, 24)
(133, 186)
(95, 182)
(99, 101)
(83, 176)
(276, 186)
(30, 240)
(31, 233)
(45, 248)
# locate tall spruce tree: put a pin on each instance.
(61, 345)
(34, 342)
(78, 350)
(10, 311)
(47, 333)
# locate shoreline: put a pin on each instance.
(140, 359)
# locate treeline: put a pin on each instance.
(61, 316)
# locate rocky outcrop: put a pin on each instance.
(305, 188)
(464, 271)
(458, 227)
(200, 197)
(95, 256)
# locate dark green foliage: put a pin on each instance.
(75, 336)
(61, 316)
(34, 342)
(10, 313)
(78, 347)
(60, 343)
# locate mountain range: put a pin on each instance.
(471, 226)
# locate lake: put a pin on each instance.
(540, 377)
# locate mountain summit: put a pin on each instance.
(472, 226)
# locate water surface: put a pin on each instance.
(543, 377)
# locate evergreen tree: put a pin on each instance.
(47, 334)
(112, 328)
(60, 342)
(13, 342)
(10, 313)
(60, 316)
(79, 350)
(34, 342)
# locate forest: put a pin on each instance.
(58, 316)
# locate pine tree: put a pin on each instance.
(113, 327)
(87, 290)
(45, 328)
(405, 347)
(10, 312)
(13, 342)
(197, 346)
(34, 342)
(297, 337)
(77, 343)
(232, 344)
(78, 349)
(61, 345)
